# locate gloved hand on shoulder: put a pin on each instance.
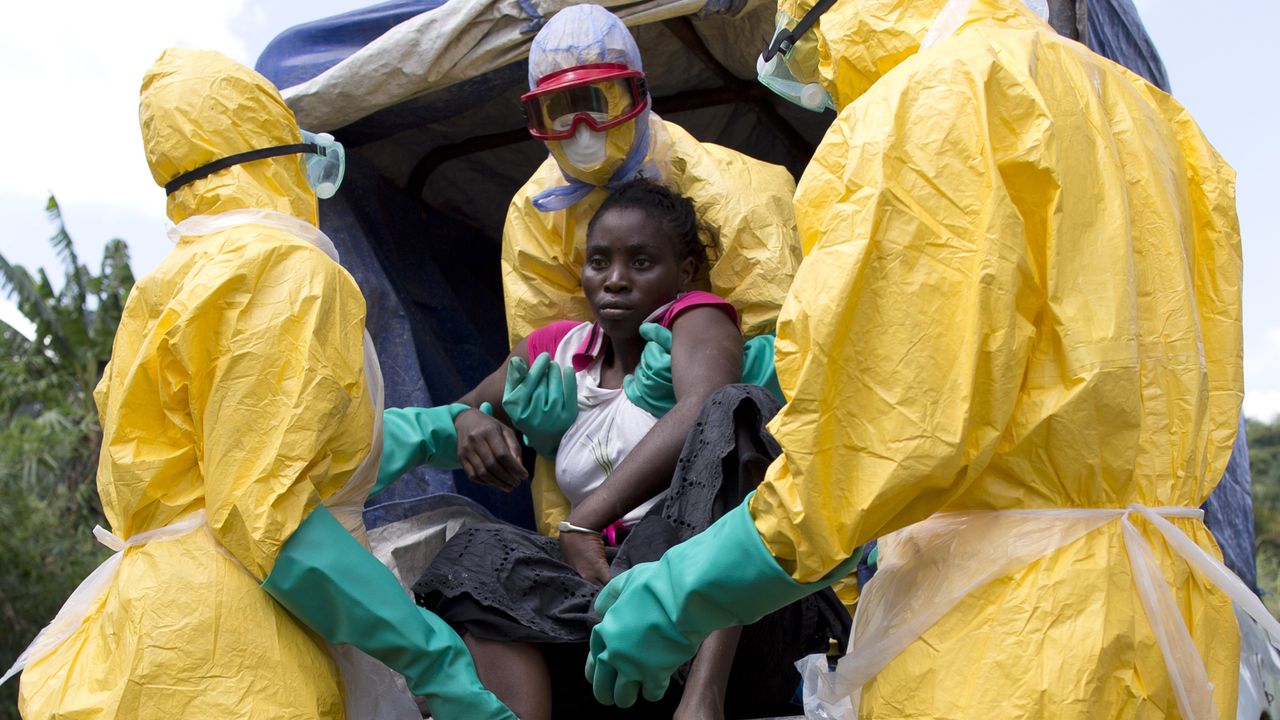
(651, 388)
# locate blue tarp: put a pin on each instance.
(435, 313)
(304, 51)
(1116, 32)
(1229, 513)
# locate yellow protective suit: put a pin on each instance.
(1021, 289)
(237, 387)
(746, 201)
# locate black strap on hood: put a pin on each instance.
(788, 38)
(210, 168)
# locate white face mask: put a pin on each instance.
(587, 148)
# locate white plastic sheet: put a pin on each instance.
(953, 554)
(86, 595)
(456, 41)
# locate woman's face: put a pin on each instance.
(631, 269)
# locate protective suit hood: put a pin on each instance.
(198, 106)
(586, 35)
(859, 41)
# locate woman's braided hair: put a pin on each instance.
(673, 211)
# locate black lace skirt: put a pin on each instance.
(501, 582)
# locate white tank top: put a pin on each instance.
(607, 428)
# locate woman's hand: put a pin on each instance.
(585, 552)
(488, 450)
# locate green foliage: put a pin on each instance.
(49, 435)
(1264, 464)
(47, 543)
(74, 326)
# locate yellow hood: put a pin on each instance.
(859, 41)
(198, 106)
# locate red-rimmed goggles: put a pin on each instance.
(602, 95)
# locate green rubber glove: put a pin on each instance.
(757, 366)
(337, 588)
(541, 401)
(651, 389)
(417, 436)
(657, 614)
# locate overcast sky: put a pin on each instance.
(71, 71)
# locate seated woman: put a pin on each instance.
(523, 601)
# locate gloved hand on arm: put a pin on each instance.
(657, 614)
(415, 436)
(541, 400)
(336, 587)
(449, 437)
(651, 389)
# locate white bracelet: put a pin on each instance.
(566, 526)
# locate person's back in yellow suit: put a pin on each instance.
(1017, 320)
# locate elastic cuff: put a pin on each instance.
(842, 569)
